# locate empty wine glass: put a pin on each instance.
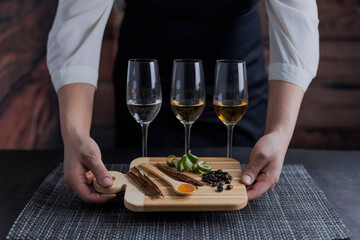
(143, 94)
(187, 93)
(230, 95)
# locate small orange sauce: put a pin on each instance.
(185, 188)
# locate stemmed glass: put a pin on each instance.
(230, 95)
(187, 93)
(143, 94)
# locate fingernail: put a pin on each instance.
(247, 179)
(107, 182)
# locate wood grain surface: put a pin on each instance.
(206, 198)
(329, 116)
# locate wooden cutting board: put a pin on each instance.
(206, 198)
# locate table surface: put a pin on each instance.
(336, 172)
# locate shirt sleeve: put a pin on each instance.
(74, 42)
(294, 41)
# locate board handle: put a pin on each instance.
(119, 183)
(158, 173)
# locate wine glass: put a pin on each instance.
(143, 94)
(187, 93)
(230, 95)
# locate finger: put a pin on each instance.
(120, 194)
(256, 164)
(90, 196)
(87, 193)
(261, 185)
(90, 177)
(97, 167)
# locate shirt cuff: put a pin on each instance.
(291, 74)
(77, 74)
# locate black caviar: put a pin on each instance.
(218, 179)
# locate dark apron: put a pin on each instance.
(202, 29)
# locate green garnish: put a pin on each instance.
(188, 163)
(197, 171)
(170, 160)
(176, 162)
(180, 166)
(203, 166)
(192, 158)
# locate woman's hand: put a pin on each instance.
(82, 160)
(81, 164)
(267, 157)
(265, 163)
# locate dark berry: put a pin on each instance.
(205, 179)
(213, 178)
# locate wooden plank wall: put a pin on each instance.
(330, 113)
(329, 117)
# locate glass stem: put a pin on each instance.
(230, 129)
(187, 137)
(144, 128)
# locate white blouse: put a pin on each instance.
(74, 42)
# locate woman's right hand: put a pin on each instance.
(82, 162)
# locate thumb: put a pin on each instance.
(252, 170)
(97, 167)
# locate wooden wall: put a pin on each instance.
(329, 117)
(330, 113)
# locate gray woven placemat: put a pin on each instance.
(295, 209)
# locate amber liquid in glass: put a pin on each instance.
(230, 114)
(187, 113)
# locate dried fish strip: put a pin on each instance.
(148, 180)
(145, 183)
(142, 184)
(178, 176)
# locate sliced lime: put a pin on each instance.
(176, 162)
(197, 171)
(186, 163)
(203, 166)
(180, 166)
(192, 158)
(193, 168)
(170, 160)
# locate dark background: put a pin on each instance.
(329, 117)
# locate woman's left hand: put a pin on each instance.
(265, 164)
